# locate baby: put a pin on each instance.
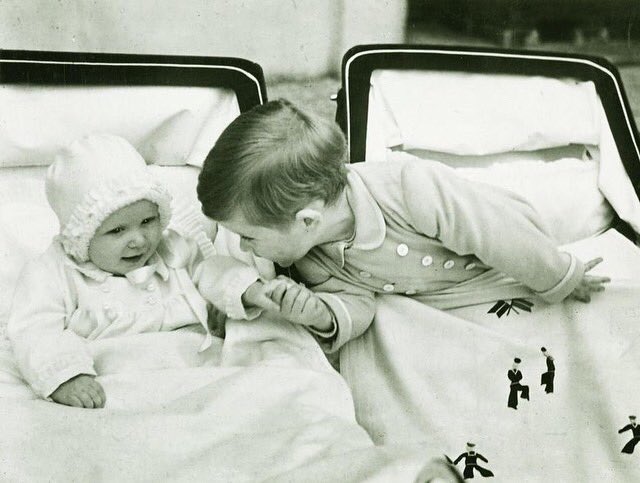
(114, 270)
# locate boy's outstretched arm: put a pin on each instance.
(497, 226)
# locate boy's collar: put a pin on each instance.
(370, 228)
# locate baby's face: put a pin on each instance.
(127, 238)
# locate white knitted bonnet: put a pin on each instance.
(93, 177)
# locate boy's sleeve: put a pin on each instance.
(498, 227)
(46, 352)
(352, 307)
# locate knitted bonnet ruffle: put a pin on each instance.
(92, 178)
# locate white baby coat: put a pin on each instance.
(59, 305)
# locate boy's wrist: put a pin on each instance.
(327, 327)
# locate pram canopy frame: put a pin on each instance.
(361, 61)
(244, 77)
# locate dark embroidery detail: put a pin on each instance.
(635, 431)
(515, 387)
(502, 307)
(546, 379)
(471, 457)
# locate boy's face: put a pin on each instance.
(281, 245)
(127, 238)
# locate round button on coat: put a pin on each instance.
(388, 287)
(449, 264)
(427, 260)
(402, 249)
(470, 266)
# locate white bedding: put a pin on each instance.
(263, 406)
(440, 378)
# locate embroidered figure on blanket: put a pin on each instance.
(515, 376)
(471, 458)
(502, 307)
(546, 379)
(634, 427)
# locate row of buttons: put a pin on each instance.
(113, 314)
(403, 250)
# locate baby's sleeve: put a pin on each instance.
(47, 353)
(220, 278)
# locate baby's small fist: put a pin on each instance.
(81, 391)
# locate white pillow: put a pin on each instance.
(565, 193)
(470, 113)
(168, 124)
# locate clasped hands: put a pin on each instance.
(290, 300)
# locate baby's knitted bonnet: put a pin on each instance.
(93, 177)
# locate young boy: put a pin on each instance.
(279, 179)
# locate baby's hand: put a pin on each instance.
(258, 295)
(82, 391)
(589, 283)
(301, 306)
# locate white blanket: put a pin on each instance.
(420, 374)
(264, 405)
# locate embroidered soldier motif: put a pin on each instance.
(546, 379)
(515, 376)
(635, 429)
(502, 307)
(471, 462)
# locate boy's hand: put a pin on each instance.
(258, 295)
(300, 305)
(589, 283)
(82, 391)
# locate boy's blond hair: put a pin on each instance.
(271, 162)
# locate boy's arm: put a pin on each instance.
(352, 307)
(46, 352)
(498, 227)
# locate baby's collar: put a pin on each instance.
(155, 265)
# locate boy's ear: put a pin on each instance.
(309, 215)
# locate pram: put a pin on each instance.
(558, 130)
